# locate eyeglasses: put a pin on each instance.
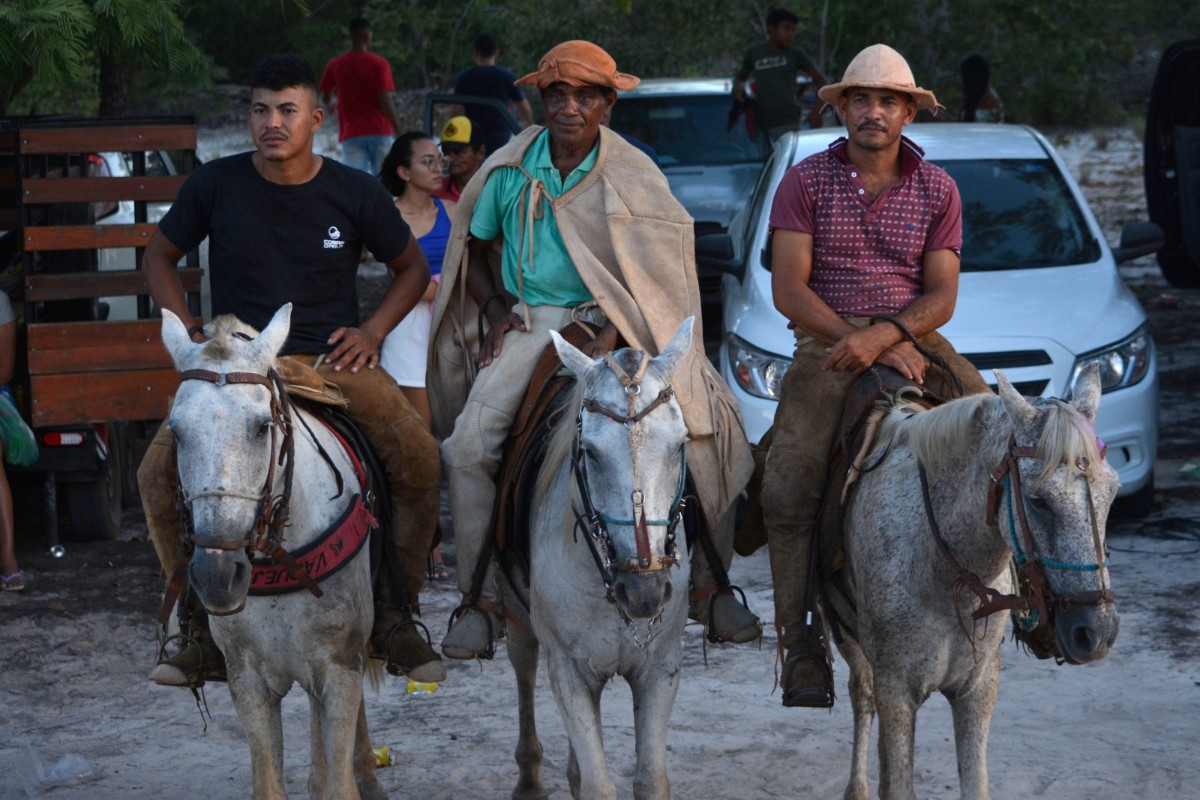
(433, 162)
(588, 99)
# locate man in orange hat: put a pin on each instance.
(551, 194)
(864, 228)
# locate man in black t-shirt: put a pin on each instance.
(286, 225)
(485, 79)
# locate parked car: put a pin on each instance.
(1039, 294)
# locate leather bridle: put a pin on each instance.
(593, 521)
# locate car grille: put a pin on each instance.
(1013, 359)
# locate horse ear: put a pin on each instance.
(1023, 415)
(275, 334)
(176, 339)
(572, 357)
(677, 348)
(1085, 393)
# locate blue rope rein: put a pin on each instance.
(1021, 557)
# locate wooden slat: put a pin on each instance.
(76, 285)
(35, 141)
(60, 190)
(88, 237)
(73, 399)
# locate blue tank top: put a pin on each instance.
(433, 244)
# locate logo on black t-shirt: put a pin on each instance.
(334, 241)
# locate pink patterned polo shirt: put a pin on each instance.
(867, 255)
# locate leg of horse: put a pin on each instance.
(258, 709)
(336, 707)
(897, 731)
(579, 704)
(972, 708)
(654, 685)
(523, 655)
(364, 760)
(862, 701)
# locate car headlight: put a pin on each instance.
(758, 372)
(1122, 364)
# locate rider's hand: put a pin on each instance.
(355, 349)
(858, 350)
(605, 342)
(489, 348)
(905, 359)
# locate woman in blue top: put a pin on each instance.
(412, 171)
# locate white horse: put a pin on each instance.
(232, 429)
(912, 557)
(608, 566)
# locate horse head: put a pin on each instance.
(226, 422)
(1057, 506)
(630, 467)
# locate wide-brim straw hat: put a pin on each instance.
(879, 67)
(578, 63)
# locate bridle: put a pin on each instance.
(266, 535)
(595, 522)
(1033, 607)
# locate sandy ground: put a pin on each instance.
(75, 649)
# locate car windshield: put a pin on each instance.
(691, 130)
(1019, 214)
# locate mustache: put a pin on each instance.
(871, 126)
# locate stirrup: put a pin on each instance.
(386, 655)
(817, 694)
(709, 631)
(462, 611)
(211, 669)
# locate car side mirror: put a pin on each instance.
(715, 251)
(1139, 239)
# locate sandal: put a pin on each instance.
(437, 572)
(13, 583)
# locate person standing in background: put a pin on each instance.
(412, 172)
(462, 144)
(774, 65)
(362, 82)
(12, 579)
(981, 103)
(485, 79)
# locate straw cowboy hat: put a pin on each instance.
(879, 67)
(578, 63)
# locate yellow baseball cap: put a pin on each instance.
(460, 131)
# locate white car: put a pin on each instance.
(1039, 294)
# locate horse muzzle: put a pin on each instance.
(1086, 633)
(643, 595)
(220, 578)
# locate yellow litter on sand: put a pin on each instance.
(416, 687)
(383, 756)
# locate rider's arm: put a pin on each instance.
(359, 347)
(159, 262)
(791, 268)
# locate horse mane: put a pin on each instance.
(221, 345)
(562, 439)
(1067, 437)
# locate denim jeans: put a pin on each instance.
(366, 152)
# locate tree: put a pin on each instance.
(61, 40)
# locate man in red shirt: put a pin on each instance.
(865, 227)
(362, 81)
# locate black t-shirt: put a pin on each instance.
(494, 82)
(271, 244)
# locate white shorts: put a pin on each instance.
(406, 349)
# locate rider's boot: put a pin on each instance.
(474, 630)
(807, 669)
(404, 643)
(198, 659)
(726, 618)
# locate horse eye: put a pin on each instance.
(264, 429)
(1039, 502)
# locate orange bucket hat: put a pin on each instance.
(879, 67)
(578, 63)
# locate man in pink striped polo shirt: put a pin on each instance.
(865, 228)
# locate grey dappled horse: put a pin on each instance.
(230, 425)
(913, 633)
(608, 566)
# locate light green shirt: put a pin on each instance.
(552, 279)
